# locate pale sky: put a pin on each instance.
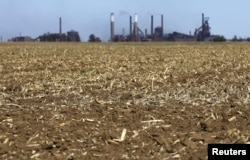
(36, 17)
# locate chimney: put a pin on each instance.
(123, 31)
(60, 26)
(112, 26)
(203, 19)
(162, 24)
(203, 26)
(152, 25)
(130, 25)
(136, 27)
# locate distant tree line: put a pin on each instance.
(239, 39)
(93, 38)
(234, 39)
(219, 39)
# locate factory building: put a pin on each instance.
(136, 34)
(158, 34)
(21, 39)
(71, 36)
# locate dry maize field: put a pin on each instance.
(164, 101)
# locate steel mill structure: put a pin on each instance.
(70, 36)
(157, 34)
(136, 34)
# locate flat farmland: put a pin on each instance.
(122, 101)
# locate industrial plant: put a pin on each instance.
(157, 34)
(71, 36)
(136, 34)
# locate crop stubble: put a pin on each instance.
(122, 101)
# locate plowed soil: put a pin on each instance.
(122, 101)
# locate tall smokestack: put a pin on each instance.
(136, 27)
(130, 25)
(203, 19)
(60, 26)
(152, 25)
(203, 26)
(112, 26)
(162, 24)
(123, 31)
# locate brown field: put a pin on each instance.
(164, 101)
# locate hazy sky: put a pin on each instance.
(36, 17)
